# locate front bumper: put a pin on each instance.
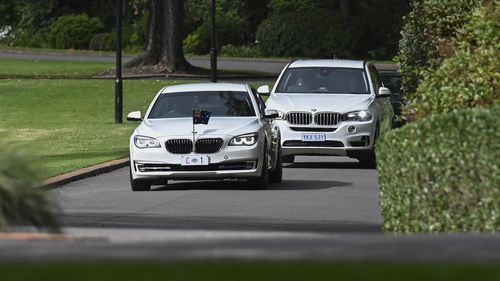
(339, 141)
(231, 162)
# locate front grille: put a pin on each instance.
(326, 118)
(314, 143)
(208, 145)
(299, 118)
(179, 146)
(312, 129)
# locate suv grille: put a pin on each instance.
(179, 146)
(326, 118)
(299, 118)
(208, 145)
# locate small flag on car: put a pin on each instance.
(201, 117)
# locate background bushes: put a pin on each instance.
(470, 76)
(21, 200)
(313, 33)
(73, 31)
(427, 33)
(442, 173)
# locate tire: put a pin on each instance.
(368, 161)
(139, 185)
(276, 176)
(288, 158)
(262, 181)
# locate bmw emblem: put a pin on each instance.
(313, 109)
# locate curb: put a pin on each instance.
(91, 171)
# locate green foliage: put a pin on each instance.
(103, 42)
(21, 201)
(239, 51)
(284, 6)
(307, 34)
(470, 77)
(442, 174)
(426, 36)
(73, 31)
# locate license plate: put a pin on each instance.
(313, 137)
(194, 160)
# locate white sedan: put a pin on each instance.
(205, 131)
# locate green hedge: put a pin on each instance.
(427, 32)
(442, 174)
(471, 77)
(21, 199)
(314, 33)
(73, 31)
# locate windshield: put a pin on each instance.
(323, 80)
(219, 104)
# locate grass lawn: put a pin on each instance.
(251, 271)
(69, 124)
(20, 68)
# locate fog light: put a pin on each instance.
(351, 129)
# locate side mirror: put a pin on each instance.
(384, 92)
(271, 113)
(263, 90)
(134, 116)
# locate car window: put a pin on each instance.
(377, 83)
(260, 102)
(219, 104)
(323, 80)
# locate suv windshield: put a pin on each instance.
(323, 80)
(219, 104)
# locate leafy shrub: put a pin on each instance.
(307, 34)
(442, 173)
(103, 42)
(239, 51)
(470, 78)
(21, 201)
(426, 36)
(73, 31)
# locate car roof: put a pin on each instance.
(205, 87)
(328, 63)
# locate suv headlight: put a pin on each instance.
(362, 115)
(281, 115)
(146, 142)
(247, 139)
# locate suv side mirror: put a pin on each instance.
(263, 90)
(271, 113)
(384, 92)
(134, 116)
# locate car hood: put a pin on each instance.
(320, 102)
(231, 126)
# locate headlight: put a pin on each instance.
(146, 142)
(362, 115)
(248, 139)
(281, 115)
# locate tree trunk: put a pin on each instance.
(345, 8)
(164, 47)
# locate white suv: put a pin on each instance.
(330, 107)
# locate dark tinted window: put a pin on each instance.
(220, 104)
(377, 83)
(323, 80)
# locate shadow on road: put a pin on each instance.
(243, 185)
(326, 165)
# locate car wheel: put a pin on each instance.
(288, 158)
(276, 176)
(139, 185)
(262, 181)
(368, 160)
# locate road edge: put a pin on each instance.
(86, 172)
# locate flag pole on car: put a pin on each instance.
(199, 117)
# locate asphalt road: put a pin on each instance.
(262, 65)
(326, 208)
